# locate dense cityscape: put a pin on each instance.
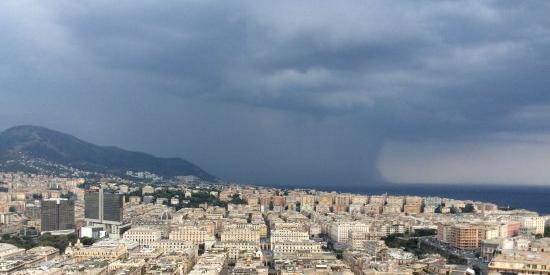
(147, 225)
(204, 137)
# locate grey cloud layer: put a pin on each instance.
(327, 83)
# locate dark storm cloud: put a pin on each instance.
(286, 91)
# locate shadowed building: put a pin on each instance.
(57, 216)
(104, 209)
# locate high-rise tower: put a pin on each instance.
(57, 215)
(103, 208)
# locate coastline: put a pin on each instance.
(533, 198)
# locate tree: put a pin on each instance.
(58, 241)
(236, 199)
(469, 208)
(455, 210)
(422, 232)
(87, 241)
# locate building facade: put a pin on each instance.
(57, 215)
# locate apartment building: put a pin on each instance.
(326, 199)
(237, 249)
(392, 208)
(465, 236)
(240, 232)
(176, 246)
(373, 209)
(307, 203)
(520, 262)
(110, 253)
(535, 223)
(342, 199)
(397, 200)
(144, 236)
(307, 246)
(286, 235)
(211, 263)
(340, 231)
(377, 200)
(190, 233)
(358, 199)
(413, 205)
(278, 203)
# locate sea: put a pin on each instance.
(534, 198)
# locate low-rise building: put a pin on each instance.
(9, 250)
(176, 246)
(211, 263)
(289, 247)
(190, 233)
(80, 253)
(339, 231)
(144, 236)
(240, 232)
(520, 262)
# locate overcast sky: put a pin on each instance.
(292, 92)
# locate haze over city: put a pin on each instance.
(292, 92)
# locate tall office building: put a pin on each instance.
(103, 206)
(104, 209)
(57, 215)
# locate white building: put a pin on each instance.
(189, 233)
(211, 263)
(533, 222)
(176, 246)
(340, 231)
(290, 247)
(9, 250)
(286, 235)
(145, 236)
(240, 232)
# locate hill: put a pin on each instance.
(34, 148)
